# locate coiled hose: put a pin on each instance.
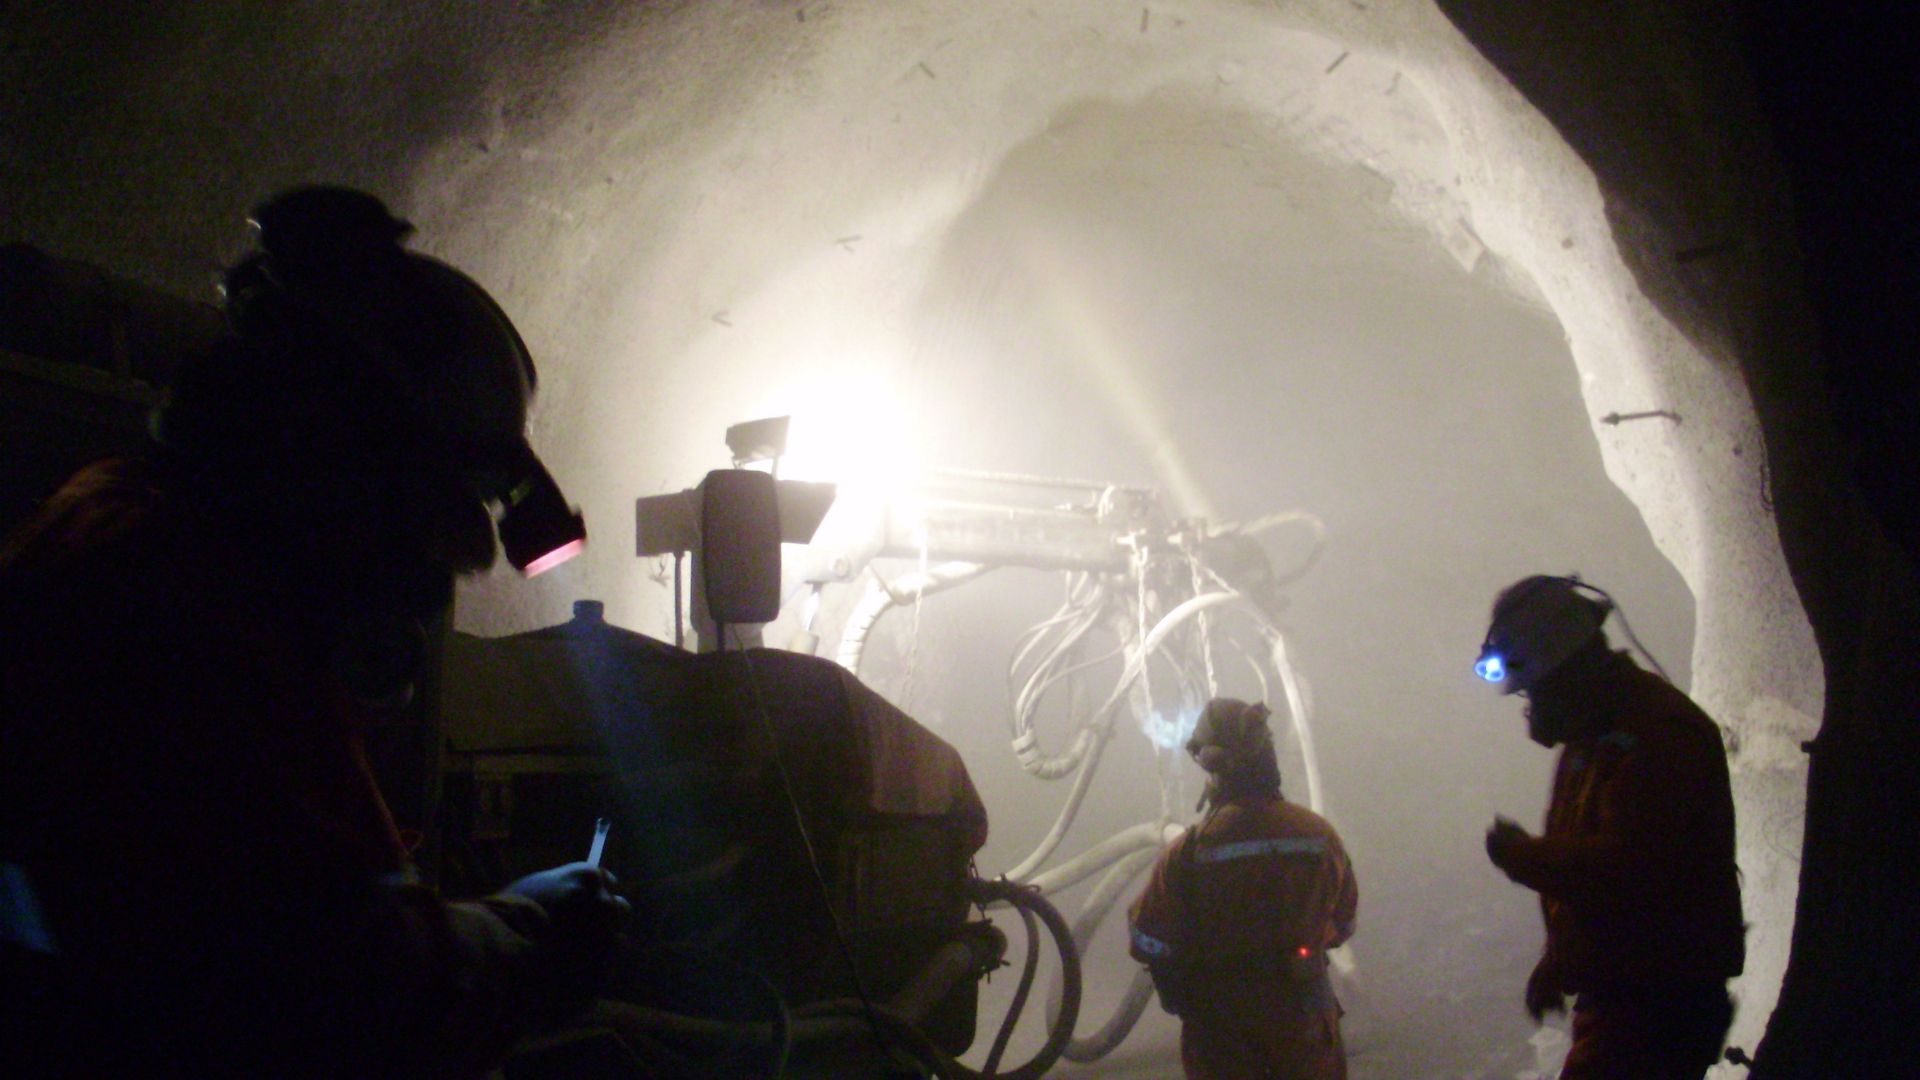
(845, 1018)
(1140, 991)
(647, 1032)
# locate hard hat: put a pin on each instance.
(331, 258)
(1537, 624)
(1231, 735)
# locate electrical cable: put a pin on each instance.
(1026, 701)
(1030, 701)
(1032, 634)
(806, 840)
(780, 1042)
(1029, 967)
(1624, 624)
(1060, 1032)
(1076, 620)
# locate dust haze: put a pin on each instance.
(1160, 294)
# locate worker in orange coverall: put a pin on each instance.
(1636, 871)
(198, 875)
(1240, 912)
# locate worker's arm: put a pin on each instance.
(1155, 917)
(1346, 905)
(1644, 831)
(472, 977)
(215, 865)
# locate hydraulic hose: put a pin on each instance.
(1060, 1027)
(913, 586)
(1145, 836)
(1140, 991)
(1098, 736)
(1028, 969)
(1289, 517)
(1100, 728)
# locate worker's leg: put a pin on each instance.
(1667, 1036)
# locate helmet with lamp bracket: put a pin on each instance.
(1537, 624)
(401, 337)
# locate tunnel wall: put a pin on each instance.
(139, 141)
(860, 124)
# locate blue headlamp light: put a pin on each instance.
(1491, 666)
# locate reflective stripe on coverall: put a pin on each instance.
(1264, 879)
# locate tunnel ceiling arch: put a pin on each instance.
(844, 141)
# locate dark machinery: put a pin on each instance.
(798, 849)
(1183, 611)
(729, 777)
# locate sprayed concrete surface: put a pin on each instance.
(1257, 255)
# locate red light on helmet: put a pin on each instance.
(538, 528)
(555, 557)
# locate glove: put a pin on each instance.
(1543, 992)
(1501, 838)
(566, 892)
(585, 922)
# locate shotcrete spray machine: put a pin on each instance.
(777, 817)
(1158, 615)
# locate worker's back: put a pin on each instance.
(1236, 922)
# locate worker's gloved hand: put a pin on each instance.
(586, 920)
(564, 888)
(1544, 994)
(1502, 837)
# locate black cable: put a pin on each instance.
(781, 1042)
(1027, 898)
(679, 636)
(909, 1045)
(1028, 968)
(1624, 624)
(806, 841)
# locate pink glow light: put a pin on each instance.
(555, 557)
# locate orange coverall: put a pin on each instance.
(1638, 884)
(1241, 910)
(218, 888)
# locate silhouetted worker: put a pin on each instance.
(1241, 910)
(1636, 871)
(198, 876)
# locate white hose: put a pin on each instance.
(1144, 837)
(1100, 728)
(1092, 913)
(1099, 736)
(1297, 709)
(860, 623)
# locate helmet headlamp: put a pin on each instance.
(538, 529)
(1491, 666)
(428, 334)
